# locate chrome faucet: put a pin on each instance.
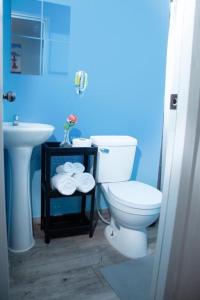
(15, 120)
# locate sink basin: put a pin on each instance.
(26, 134)
(19, 141)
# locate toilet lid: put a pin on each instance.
(136, 194)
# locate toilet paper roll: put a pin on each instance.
(81, 142)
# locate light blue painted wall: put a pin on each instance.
(122, 46)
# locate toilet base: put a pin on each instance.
(129, 242)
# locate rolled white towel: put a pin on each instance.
(67, 168)
(78, 168)
(84, 181)
(64, 183)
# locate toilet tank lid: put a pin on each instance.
(113, 140)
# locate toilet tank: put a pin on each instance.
(115, 157)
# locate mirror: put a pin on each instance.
(40, 32)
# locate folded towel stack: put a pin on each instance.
(70, 177)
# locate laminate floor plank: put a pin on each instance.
(67, 268)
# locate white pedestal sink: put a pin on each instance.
(20, 140)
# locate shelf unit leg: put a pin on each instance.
(47, 198)
(83, 205)
(42, 182)
(42, 209)
(47, 220)
(92, 215)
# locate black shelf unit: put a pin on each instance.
(68, 224)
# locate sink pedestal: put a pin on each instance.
(19, 141)
(20, 231)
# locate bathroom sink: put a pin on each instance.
(19, 141)
(26, 134)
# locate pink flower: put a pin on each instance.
(72, 119)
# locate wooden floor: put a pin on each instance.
(67, 268)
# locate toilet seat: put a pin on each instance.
(135, 194)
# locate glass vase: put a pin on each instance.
(66, 141)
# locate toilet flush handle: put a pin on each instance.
(104, 150)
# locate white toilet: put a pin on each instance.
(133, 205)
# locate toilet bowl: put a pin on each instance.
(133, 205)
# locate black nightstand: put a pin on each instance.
(68, 224)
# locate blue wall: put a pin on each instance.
(122, 46)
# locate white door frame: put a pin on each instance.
(177, 247)
(4, 274)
